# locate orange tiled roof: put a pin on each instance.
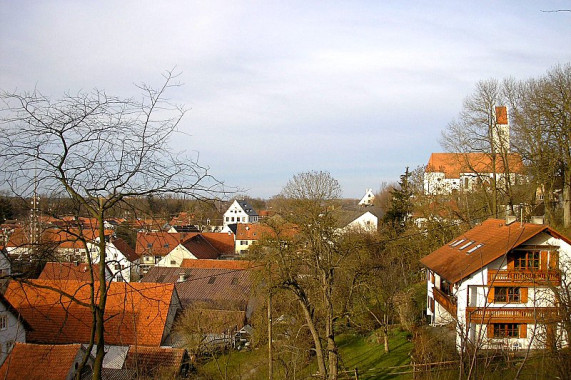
(58, 237)
(497, 238)
(36, 361)
(136, 313)
(216, 264)
(223, 242)
(452, 164)
(201, 248)
(156, 243)
(256, 231)
(69, 271)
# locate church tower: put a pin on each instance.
(501, 131)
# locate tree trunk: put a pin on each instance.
(567, 198)
(315, 335)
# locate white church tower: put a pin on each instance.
(501, 131)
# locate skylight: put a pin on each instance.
(475, 248)
(465, 245)
(457, 242)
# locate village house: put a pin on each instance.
(169, 249)
(240, 211)
(136, 313)
(368, 199)
(496, 282)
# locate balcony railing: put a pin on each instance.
(524, 278)
(448, 302)
(511, 314)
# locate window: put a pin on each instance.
(211, 280)
(227, 218)
(173, 262)
(243, 242)
(465, 245)
(457, 242)
(506, 330)
(474, 248)
(527, 261)
(3, 322)
(507, 294)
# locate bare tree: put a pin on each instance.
(542, 115)
(97, 150)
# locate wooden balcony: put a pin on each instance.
(511, 315)
(447, 302)
(523, 278)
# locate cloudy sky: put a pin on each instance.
(361, 89)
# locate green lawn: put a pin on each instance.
(356, 351)
(370, 358)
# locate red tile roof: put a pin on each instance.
(125, 249)
(201, 248)
(453, 263)
(223, 242)
(69, 271)
(35, 361)
(216, 264)
(452, 164)
(156, 243)
(136, 313)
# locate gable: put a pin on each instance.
(480, 246)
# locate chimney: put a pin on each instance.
(182, 277)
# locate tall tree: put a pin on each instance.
(98, 150)
(306, 263)
(542, 121)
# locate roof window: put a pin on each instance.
(475, 248)
(466, 245)
(457, 242)
(211, 280)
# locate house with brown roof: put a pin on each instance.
(196, 247)
(153, 247)
(46, 362)
(136, 313)
(496, 282)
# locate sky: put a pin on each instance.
(361, 89)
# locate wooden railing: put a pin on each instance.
(511, 314)
(527, 278)
(448, 302)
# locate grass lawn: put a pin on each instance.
(356, 351)
(370, 358)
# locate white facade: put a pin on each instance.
(368, 198)
(116, 261)
(239, 212)
(11, 330)
(174, 258)
(474, 292)
(436, 183)
(365, 223)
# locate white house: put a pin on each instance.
(366, 222)
(496, 281)
(240, 211)
(12, 328)
(368, 198)
(197, 247)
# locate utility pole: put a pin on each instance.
(270, 334)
